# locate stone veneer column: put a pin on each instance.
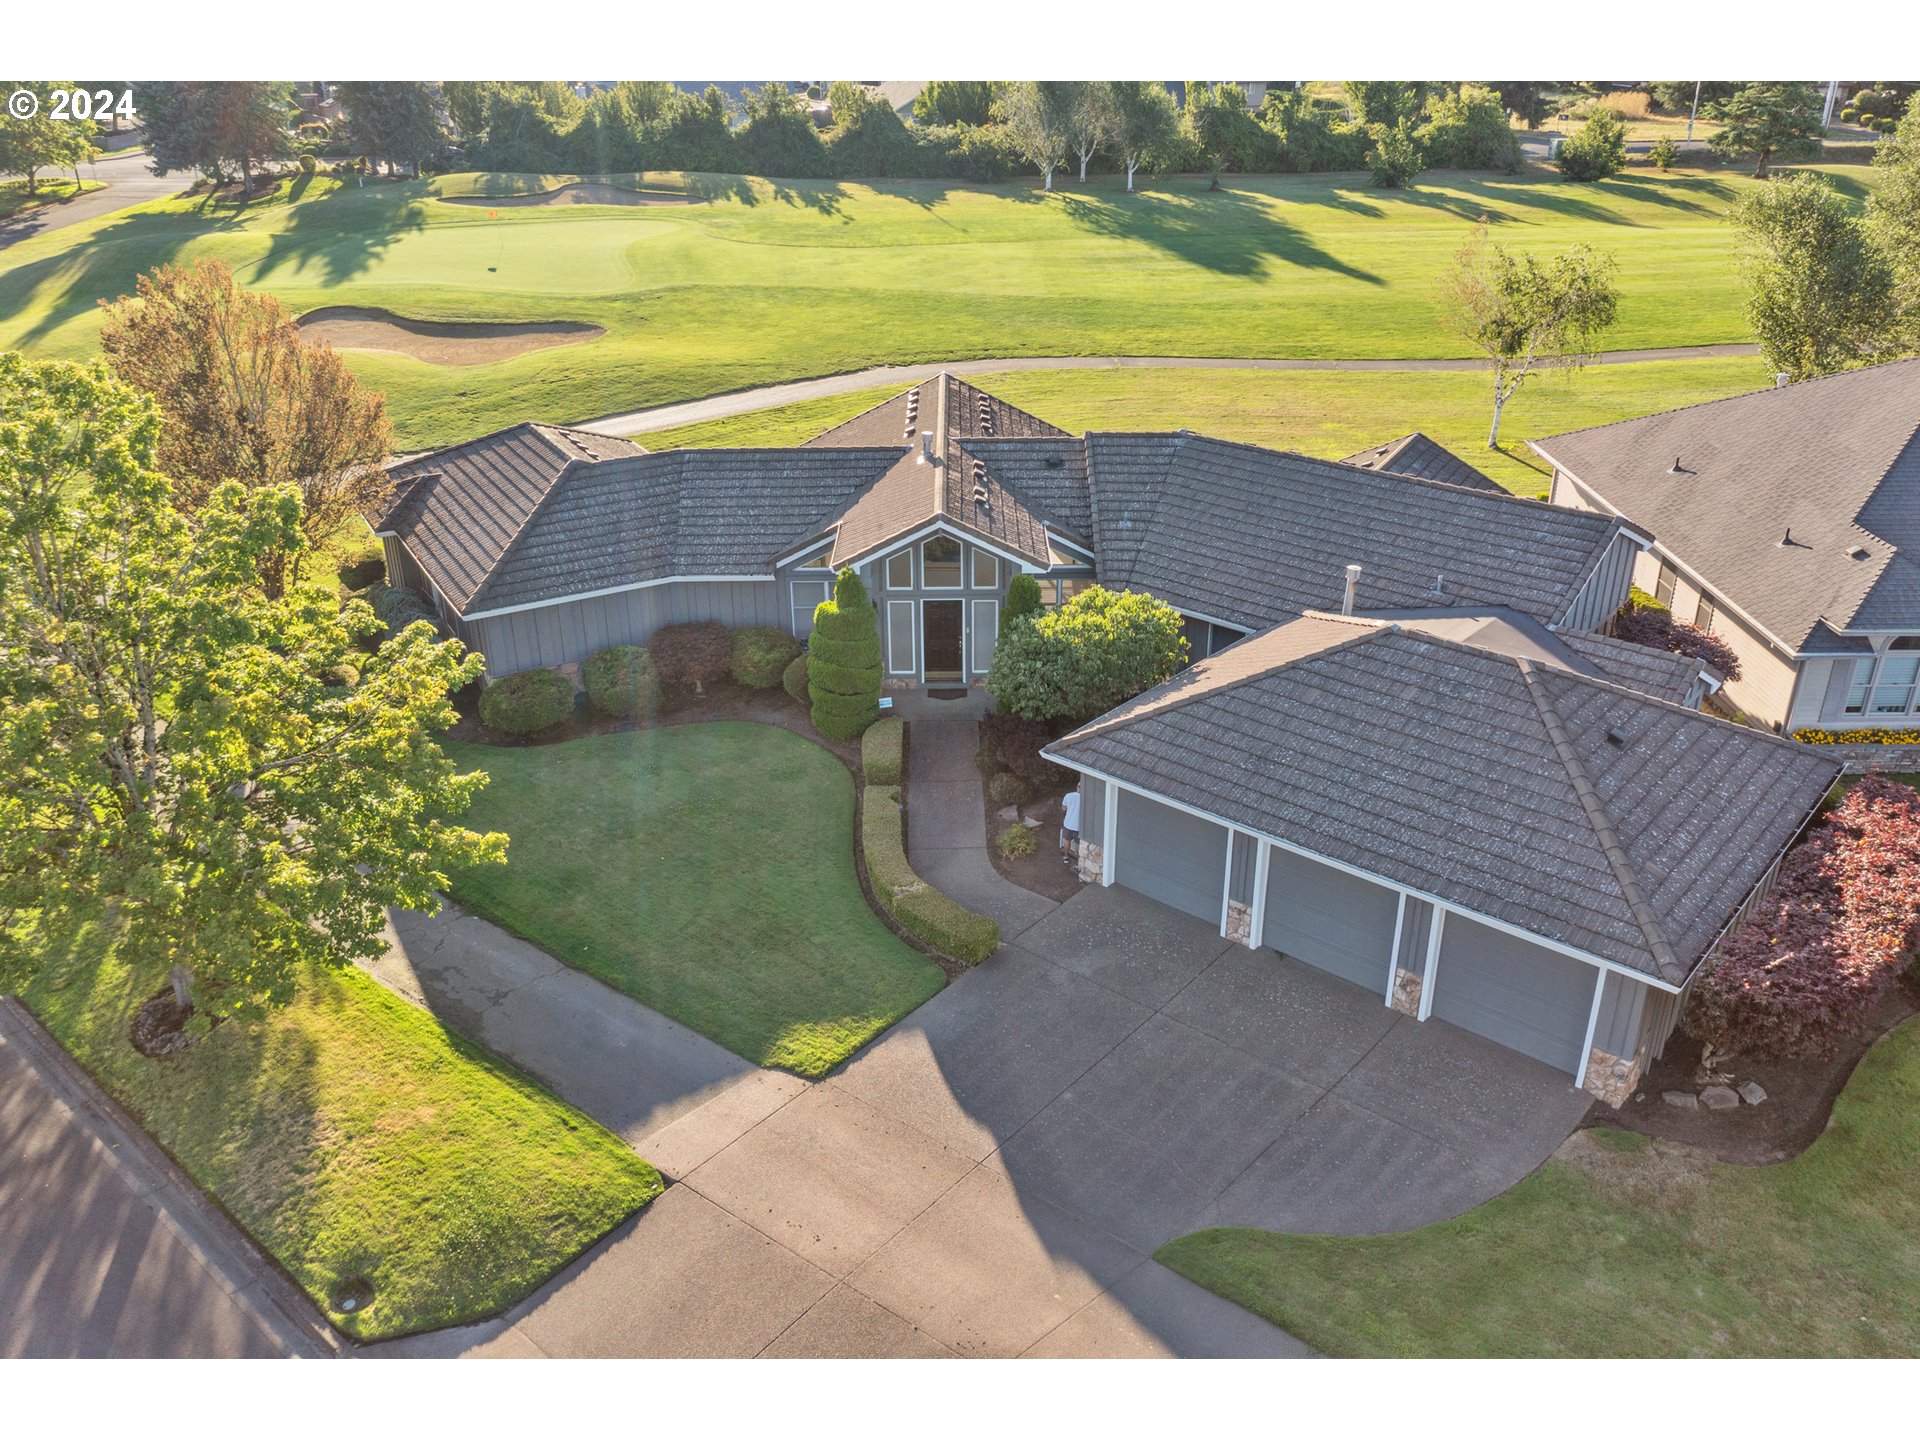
(1406, 992)
(1240, 923)
(1090, 858)
(1611, 1078)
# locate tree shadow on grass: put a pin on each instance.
(343, 233)
(825, 196)
(1229, 232)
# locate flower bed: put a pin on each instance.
(1858, 737)
(1840, 925)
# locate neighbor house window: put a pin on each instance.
(1705, 613)
(1055, 593)
(1858, 686)
(819, 560)
(1663, 587)
(986, 569)
(1893, 686)
(940, 563)
(807, 595)
(900, 570)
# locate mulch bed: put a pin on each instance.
(1800, 1093)
(1041, 872)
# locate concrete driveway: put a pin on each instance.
(991, 1176)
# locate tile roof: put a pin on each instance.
(1251, 536)
(1833, 461)
(1424, 459)
(1491, 782)
(1658, 673)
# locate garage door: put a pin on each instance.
(1329, 919)
(1524, 996)
(1177, 858)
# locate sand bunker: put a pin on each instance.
(346, 327)
(585, 194)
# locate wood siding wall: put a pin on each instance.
(559, 634)
(1765, 689)
(1606, 588)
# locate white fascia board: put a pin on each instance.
(825, 537)
(1519, 932)
(620, 590)
(943, 527)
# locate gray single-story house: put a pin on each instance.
(1788, 523)
(1489, 832)
(540, 545)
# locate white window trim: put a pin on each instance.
(965, 639)
(913, 639)
(927, 584)
(886, 568)
(793, 604)
(973, 621)
(979, 553)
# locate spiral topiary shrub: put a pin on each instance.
(527, 703)
(843, 661)
(794, 679)
(761, 655)
(622, 681)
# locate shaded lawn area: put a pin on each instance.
(15, 200)
(353, 1136)
(706, 870)
(700, 299)
(1330, 414)
(1621, 1246)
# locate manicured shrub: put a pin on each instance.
(364, 571)
(1014, 745)
(1654, 626)
(1023, 599)
(1100, 648)
(1017, 842)
(527, 703)
(794, 679)
(622, 681)
(843, 661)
(920, 909)
(1007, 788)
(696, 653)
(880, 751)
(1808, 966)
(308, 165)
(761, 655)
(340, 675)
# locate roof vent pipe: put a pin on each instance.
(1353, 584)
(1677, 468)
(1781, 378)
(926, 447)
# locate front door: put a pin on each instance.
(940, 634)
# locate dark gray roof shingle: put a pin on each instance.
(1435, 765)
(1424, 459)
(1834, 460)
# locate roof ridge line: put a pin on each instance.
(1664, 959)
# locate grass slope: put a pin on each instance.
(353, 1136)
(705, 870)
(1620, 1247)
(1325, 413)
(769, 280)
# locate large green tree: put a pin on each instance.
(954, 102)
(36, 142)
(1467, 129)
(1038, 115)
(400, 122)
(171, 749)
(1597, 149)
(1092, 122)
(1772, 119)
(1146, 126)
(1100, 648)
(1524, 313)
(209, 125)
(1820, 291)
(1893, 216)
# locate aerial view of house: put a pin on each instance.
(856, 721)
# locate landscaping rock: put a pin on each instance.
(1751, 1092)
(1682, 1099)
(1007, 814)
(1720, 1097)
(1031, 823)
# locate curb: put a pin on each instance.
(253, 1278)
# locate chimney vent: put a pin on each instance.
(1353, 584)
(926, 447)
(1677, 468)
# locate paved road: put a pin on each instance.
(740, 402)
(128, 182)
(105, 1250)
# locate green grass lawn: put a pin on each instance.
(769, 281)
(14, 197)
(353, 1136)
(1621, 1247)
(1325, 413)
(705, 870)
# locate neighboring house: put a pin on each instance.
(540, 545)
(1481, 832)
(1787, 522)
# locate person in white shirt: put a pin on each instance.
(1070, 826)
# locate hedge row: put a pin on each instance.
(1811, 962)
(920, 908)
(880, 751)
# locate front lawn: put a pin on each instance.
(705, 870)
(1620, 1246)
(1325, 413)
(355, 1138)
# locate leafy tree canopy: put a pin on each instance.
(32, 143)
(1773, 119)
(1100, 648)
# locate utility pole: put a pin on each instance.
(1696, 109)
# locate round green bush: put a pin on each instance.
(621, 681)
(695, 653)
(1017, 841)
(308, 165)
(794, 679)
(1007, 788)
(339, 676)
(527, 703)
(761, 655)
